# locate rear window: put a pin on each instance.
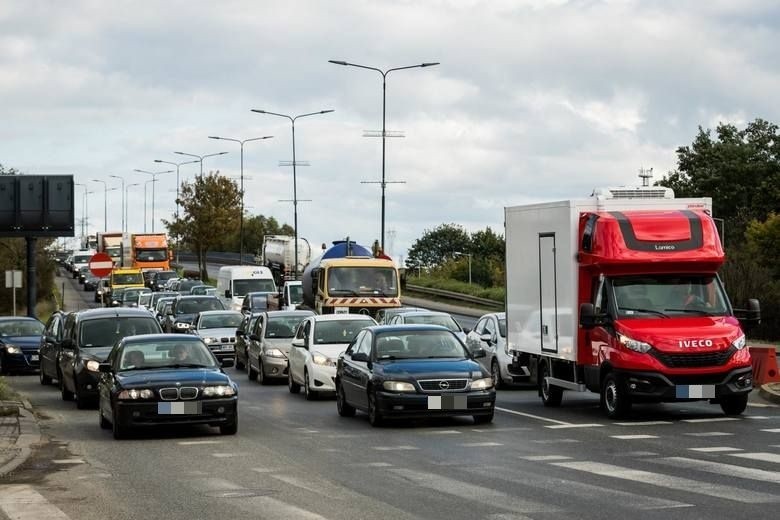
(104, 332)
(195, 305)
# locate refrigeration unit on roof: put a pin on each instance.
(634, 192)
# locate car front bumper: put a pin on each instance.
(274, 367)
(657, 387)
(26, 361)
(213, 412)
(418, 405)
(322, 377)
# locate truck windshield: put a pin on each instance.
(296, 294)
(363, 280)
(127, 279)
(151, 255)
(248, 285)
(667, 295)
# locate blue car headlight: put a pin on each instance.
(13, 349)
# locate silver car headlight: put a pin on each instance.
(398, 386)
(219, 391)
(274, 352)
(92, 365)
(13, 349)
(135, 393)
(325, 361)
(482, 384)
(632, 344)
(739, 343)
(209, 340)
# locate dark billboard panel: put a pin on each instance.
(36, 205)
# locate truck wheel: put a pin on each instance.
(734, 404)
(551, 394)
(615, 399)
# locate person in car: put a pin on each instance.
(181, 354)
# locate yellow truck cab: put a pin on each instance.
(123, 277)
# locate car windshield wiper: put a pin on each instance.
(185, 365)
(649, 311)
(691, 311)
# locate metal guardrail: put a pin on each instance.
(454, 296)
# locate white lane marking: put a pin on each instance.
(374, 464)
(265, 470)
(395, 448)
(21, 502)
(318, 488)
(555, 441)
(643, 423)
(480, 444)
(758, 417)
(711, 419)
(532, 416)
(275, 508)
(507, 516)
(196, 443)
(68, 461)
(772, 430)
(564, 426)
(720, 468)
(670, 482)
(709, 434)
(762, 405)
(639, 454)
(633, 437)
(497, 430)
(227, 455)
(764, 457)
(470, 491)
(715, 449)
(546, 458)
(443, 432)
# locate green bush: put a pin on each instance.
(492, 293)
(6, 394)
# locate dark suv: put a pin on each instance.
(158, 279)
(87, 340)
(184, 310)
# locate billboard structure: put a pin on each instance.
(36, 206)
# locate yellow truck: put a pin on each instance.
(124, 277)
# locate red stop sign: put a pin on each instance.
(101, 265)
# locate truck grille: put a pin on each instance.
(708, 359)
(443, 385)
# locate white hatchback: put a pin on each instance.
(318, 342)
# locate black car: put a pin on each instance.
(20, 338)
(255, 302)
(88, 338)
(185, 285)
(50, 348)
(83, 273)
(185, 308)
(115, 297)
(412, 371)
(242, 339)
(158, 279)
(162, 380)
(90, 282)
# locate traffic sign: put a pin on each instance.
(101, 264)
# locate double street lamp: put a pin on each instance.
(199, 158)
(177, 178)
(154, 179)
(384, 112)
(241, 225)
(295, 185)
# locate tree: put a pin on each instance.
(438, 246)
(739, 169)
(763, 243)
(211, 207)
(255, 229)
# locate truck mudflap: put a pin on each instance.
(657, 387)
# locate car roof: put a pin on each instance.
(499, 315)
(157, 338)
(109, 312)
(384, 329)
(18, 318)
(195, 296)
(226, 311)
(289, 313)
(426, 313)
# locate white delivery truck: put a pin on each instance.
(619, 294)
(235, 281)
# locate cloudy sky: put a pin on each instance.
(534, 100)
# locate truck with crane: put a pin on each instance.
(619, 294)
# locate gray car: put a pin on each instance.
(490, 334)
(270, 341)
(217, 329)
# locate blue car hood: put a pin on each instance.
(185, 376)
(429, 367)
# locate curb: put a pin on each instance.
(770, 392)
(29, 435)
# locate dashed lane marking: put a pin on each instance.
(711, 419)
(719, 468)
(480, 444)
(197, 443)
(22, 502)
(395, 448)
(546, 458)
(709, 434)
(772, 430)
(758, 417)
(763, 405)
(532, 416)
(374, 464)
(643, 423)
(764, 456)
(68, 461)
(633, 437)
(443, 432)
(715, 449)
(564, 426)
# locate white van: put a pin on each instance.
(235, 281)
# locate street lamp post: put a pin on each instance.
(295, 185)
(200, 157)
(241, 223)
(146, 183)
(384, 112)
(154, 179)
(456, 253)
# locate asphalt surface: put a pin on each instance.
(297, 459)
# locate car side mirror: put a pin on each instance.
(239, 333)
(588, 317)
(228, 294)
(104, 368)
(487, 338)
(298, 342)
(361, 357)
(479, 353)
(750, 317)
(228, 362)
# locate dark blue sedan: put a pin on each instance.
(20, 339)
(412, 371)
(165, 379)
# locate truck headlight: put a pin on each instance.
(739, 343)
(632, 344)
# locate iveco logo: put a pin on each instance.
(665, 247)
(694, 343)
(444, 385)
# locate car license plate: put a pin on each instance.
(227, 347)
(695, 391)
(179, 408)
(34, 357)
(341, 310)
(447, 402)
